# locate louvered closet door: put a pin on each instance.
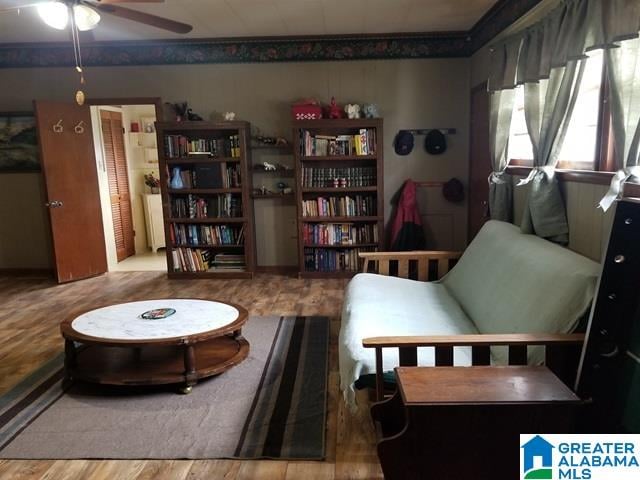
(116, 162)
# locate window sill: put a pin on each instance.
(581, 176)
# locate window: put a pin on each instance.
(579, 150)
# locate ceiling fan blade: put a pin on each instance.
(141, 17)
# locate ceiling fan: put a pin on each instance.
(86, 14)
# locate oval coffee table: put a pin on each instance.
(115, 345)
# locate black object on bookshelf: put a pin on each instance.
(209, 220)
(339, 193)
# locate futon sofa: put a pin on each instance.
(506, 282)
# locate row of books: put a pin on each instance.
(358, 206)
(185, 234)
(205, 260)
(217, 206)
(332, 260)
(176, 146)
(339, 177)
(215, 175)
(316, 145)
(339, 233)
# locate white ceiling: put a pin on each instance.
(257, 18)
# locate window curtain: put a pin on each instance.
(548, 105)
(500, 183)
(546, 58)
(623, 65)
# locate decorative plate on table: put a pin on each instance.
(158, 313)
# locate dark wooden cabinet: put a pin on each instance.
(208, 213)
(455, 422)
(339, 193)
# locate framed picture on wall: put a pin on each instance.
(18, 143)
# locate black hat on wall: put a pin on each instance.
(453, 190)
(435, 142)
(403, 143)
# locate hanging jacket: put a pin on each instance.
(406, 231)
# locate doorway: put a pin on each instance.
(126, 158)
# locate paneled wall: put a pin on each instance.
(429, 93)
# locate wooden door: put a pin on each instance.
(116, 163)
(479, 160)
(71, 181)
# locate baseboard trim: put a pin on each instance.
(278, 269)
(30, 272)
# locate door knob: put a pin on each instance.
(53, 204)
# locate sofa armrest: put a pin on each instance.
(383, 260)
(561, 350)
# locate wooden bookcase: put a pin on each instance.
(335, 175)
(226, 195)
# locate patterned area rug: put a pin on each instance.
(272, 405)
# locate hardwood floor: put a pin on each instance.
(31, 309)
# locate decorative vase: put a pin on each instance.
(176, 178)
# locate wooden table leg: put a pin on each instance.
(70, 361)
(190, 375)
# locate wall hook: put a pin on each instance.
(58, 128)
(79, 128)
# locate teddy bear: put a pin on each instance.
(370, 110)
(352, 110)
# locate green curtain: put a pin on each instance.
(623, 64)
(500, 183)
(548, 105)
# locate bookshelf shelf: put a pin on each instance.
(176, 245)
(203, 191)
(339, 189)
(355, 245)
(273, 195)
(327, 219)
(217, 185)
(336, 158)
(358, 160)
(209, 220)
(197, 159)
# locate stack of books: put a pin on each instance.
(177, 146)
(228, 262)
(339, 177)
(225, 205)
(358, 206)
(339, 234)
(316, 145)
(182, 234)
(326, 260)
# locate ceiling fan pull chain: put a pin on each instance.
(75, 36)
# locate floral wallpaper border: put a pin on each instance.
(206, 51)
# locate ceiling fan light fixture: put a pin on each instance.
(86, 18)
(54, 14)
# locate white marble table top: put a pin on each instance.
(123, 322)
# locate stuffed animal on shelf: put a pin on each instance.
(334, 110)
(370, 110)
(193, 117)
(352, 110)
(181, 111)
(229, 116)
(268, 166)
